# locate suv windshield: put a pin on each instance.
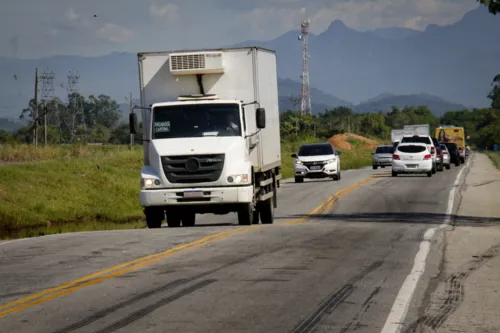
(384, 150)
(315, 150)
(188, 121)
(411, 149)
(417, 139)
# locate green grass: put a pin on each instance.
(495, 158)
(82, 188)
(71, 193)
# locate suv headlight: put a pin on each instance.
(298, 162)
(333, 160)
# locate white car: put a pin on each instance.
(412, 158)
(316, 160)
(427, 140)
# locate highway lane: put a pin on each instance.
(336, 272)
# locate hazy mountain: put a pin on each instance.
(395, 33)
(385, 102)
(9, 125)
(455, 62)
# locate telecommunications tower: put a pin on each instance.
(305, 93)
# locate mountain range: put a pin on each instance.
(400, 66)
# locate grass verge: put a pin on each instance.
(84, 188)
(495, 158)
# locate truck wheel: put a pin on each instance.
(267, 211)
(299, 179)
(245, 214)
(173, 219)
(154, 217)
(188, 219)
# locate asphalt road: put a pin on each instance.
(339, 271)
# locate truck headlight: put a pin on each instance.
(238, 179)
(149, 182)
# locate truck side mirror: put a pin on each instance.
(294, 155)
(260, 118)
(132, 120)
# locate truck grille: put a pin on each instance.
(193, 168)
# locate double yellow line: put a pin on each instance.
(100, 276)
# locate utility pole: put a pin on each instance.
(35, 111)
(131, 111)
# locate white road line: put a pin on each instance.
(397, 315)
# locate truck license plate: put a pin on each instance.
(193, 194)
(315, 167)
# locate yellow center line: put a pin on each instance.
(99, 276)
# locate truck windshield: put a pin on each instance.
(196, 120)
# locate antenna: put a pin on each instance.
(305, 92)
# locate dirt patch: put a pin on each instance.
(342, 141)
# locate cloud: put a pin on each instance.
(169, 12)
(116, 33)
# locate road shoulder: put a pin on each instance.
(464, 296)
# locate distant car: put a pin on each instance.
(428, 141)
(317, 160)
(454, 153)
(439, 156)
(382, 156)
(414, 157)
(446, 156)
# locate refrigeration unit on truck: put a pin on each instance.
(211, 135)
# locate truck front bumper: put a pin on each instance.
(196, 196)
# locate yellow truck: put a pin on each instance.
(454, 134)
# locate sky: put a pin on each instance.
(41, 28)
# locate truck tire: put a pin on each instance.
(154, 217)
(188, 219)
(173, 219)
(245, 214)
(267, 211)
(255, 218)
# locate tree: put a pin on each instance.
(493, 5)
(494, 94)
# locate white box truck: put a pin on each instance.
(419, 129)
(397, 135)
(211, 135)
